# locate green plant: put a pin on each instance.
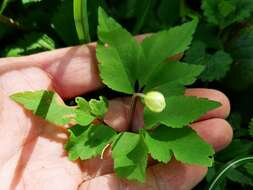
(167, 111)
(222, 44)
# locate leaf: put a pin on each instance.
(239, 177)
(88, 142)
(180, 111)
(184, 143)
(164, 44)
(226, 12)
(225, 8)
(25, 2)
(249, 167)
(209, 35)
(112, 70)
(216, 65)
(88, 111)
(81, 20)
(4, 5)
(130, 156)
(98, 107)
(47, 105)
(82, 104)
(173, 74)
(237, 147)
(240, 76)
(31, 43)
(124, 52)
(83, 118)
(93, 6)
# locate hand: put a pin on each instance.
(32, 156)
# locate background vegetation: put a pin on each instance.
(223, 42)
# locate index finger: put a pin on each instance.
(73, 70)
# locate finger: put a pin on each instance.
(221, 112)
(72, 69)
(216, 132)
(118, 114)
(159, 177)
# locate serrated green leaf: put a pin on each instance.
(237, 147)
(130, 156)
(249, 168)
(83, 118)
(164, 44)
(47, 105)
(239, 177)
(226, 12)
(184, 143)
(226, 7)
(98, 107)
(180, 111)
(112, 71)
(124, 52)
(169, 89)
(88, 142)
(208, 34)
(82, 104)
(240, 76)
(173, 74)
(216, 65)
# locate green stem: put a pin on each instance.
(233, 164)
(81, 20)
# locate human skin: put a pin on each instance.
(32, 156)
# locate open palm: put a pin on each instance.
(32, 156)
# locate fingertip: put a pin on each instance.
(73, 70)
(216, 132)
(177, 175)
(215, 95)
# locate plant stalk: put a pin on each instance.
(135, 98)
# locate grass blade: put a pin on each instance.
(232, 164)
(3, 6)
(81, 20)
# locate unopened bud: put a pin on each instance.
(155, 101)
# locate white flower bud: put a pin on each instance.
(155, 101)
